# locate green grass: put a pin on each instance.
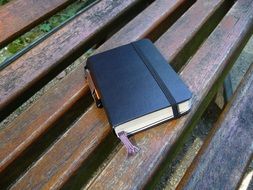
(42, 29)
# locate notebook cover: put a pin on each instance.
(127, 88)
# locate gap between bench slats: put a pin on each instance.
(203, 75)
(98, 138)
(40, 117)
(55, 109)
(29, 73)
(19, 16)
(225, 155)
(69, 90)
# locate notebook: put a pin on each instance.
(137, 88)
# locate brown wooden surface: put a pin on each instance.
(206, 15)
(17, 136)
(27, 74)
(202, 75)
(19, 16)
(225, 155)
(96, 126)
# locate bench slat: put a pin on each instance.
(97, 124)
(146, 22)
(190, 42)
(19, 16)
(223, 158)
(27, 128)
(17, 136)
(30, 72)
(202, 75)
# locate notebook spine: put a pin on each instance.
(93, 89)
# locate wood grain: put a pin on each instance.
(30, 72)
(38, 118)
(201, 74)
(223, 159)
(207, 16)
(19, 16)
(16, 137)
(59, 99)
(98, 124)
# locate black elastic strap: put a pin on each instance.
(159, 81)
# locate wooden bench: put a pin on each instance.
(62, 140)
(17, 19)
(233, 135)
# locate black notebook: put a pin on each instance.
(136, 86)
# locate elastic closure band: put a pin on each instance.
(159, 81)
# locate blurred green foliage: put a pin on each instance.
(3, 2)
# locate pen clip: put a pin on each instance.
(92, 87)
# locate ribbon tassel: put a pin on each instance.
(131, 149)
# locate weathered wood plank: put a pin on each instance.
(30, 72)
(61, 98)
(203, 27)
(17, 136)
(19, 16)
(201, 74)
(97, 124)
(147, 22)
(223, 158)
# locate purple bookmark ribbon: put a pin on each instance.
(131, 149)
